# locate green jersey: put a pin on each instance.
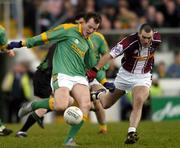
(72, 49)
(100, 48)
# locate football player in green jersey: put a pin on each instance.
(42, 88)
(73, 52)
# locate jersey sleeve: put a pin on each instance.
(103, 45)
(116, 50)
(120, 47)
(54, 35)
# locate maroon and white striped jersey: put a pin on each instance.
(136, 59)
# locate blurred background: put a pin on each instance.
(26, 18)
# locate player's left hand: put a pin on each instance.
(110, 86)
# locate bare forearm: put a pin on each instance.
(104, 59)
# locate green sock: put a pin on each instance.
(73, 131)
(41, 104)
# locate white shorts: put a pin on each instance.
(127, 81)
(63, 80)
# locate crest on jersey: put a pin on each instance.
(76, 41)
(117, 49)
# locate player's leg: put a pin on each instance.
(140, 85)
(82, 95)
(3, 130)
(140, 95)
(101, 117)
(108, 99)
(56, 103)
(99, 110)
(36, 116)
(61, 86)
(42, 89)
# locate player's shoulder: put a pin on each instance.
(156, 37)
(66, 26)
(133, 36)
(130, 38)
(69, 26)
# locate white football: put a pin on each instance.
(73, 115)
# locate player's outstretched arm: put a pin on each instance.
(49, 36)
(92, 73)
(104, 59)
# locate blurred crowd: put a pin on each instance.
(171, 71)
(41, 15)
(16, 89)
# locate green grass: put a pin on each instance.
(152, 135)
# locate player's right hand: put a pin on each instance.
(91, 74)
(12, 45)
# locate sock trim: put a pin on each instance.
(131, 129)
(51, 103)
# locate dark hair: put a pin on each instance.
(80, 15)
(75, 18)
(146, 27)
(95, 16)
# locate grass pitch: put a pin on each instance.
(152, 135)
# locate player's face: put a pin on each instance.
(145, 38)
(89, 27)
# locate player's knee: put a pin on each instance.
(138, 102)
(71, 101)
(139, 99)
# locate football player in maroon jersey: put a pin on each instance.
(134, 74)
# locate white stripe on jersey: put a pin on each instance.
(140, 64)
